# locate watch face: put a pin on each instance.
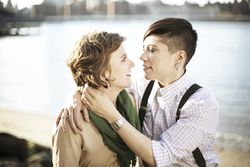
(118, 123)
(115, 126)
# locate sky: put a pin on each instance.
(28, 3)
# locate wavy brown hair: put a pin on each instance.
(90, 59)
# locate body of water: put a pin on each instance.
(35, 78)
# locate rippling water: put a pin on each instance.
(34, 77)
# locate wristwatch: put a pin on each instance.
(116, 125)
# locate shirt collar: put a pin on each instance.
(175, 88)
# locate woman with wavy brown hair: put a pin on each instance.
(100, 61)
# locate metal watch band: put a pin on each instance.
(116, 125)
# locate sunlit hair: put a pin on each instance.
(90, 59)
(177, 34)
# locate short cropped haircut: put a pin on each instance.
(177, 34)
(90, 59)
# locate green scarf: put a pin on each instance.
(110, 137)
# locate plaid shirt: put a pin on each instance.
(173, 142)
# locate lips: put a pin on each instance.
(128, 75)
(146, 67)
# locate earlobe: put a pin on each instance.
(176, 67)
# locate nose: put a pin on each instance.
(131, 64)
(144, 57)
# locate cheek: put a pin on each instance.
(152, 61)
(117, 75)
(164, 65)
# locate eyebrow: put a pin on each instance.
(152, 45)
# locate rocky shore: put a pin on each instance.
(35, 130)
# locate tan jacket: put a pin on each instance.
(81, 150)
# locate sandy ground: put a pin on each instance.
(34, 127)
(233, 150)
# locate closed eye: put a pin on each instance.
(124, 58)
(151, 50)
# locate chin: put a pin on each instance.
(128, 84)
(148, 77)
(125, 85)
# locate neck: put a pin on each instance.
(111, 93)
(171, 80)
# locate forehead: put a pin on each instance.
(153, 40)
(118, 53)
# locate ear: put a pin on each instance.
(105, 75)
(103, 78)
(181, 57)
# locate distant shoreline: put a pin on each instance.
(239, 18)
(13, 27)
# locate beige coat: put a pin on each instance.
(82, 150)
